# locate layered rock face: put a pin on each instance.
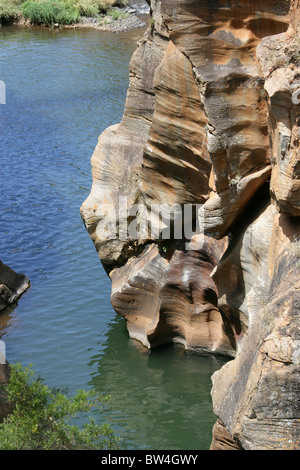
(194, 207)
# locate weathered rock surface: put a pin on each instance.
(211, 124)
(12, 285)
(256, 396)
(279, 56)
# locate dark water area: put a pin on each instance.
(63, 88)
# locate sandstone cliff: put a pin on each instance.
(195, 204)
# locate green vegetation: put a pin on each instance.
(117, 14)
(40, 419)
(9, 11)
(86, 7)
(62, 12)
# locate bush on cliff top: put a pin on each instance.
(40, 419)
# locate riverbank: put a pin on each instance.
(116, 20)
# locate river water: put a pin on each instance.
(63, 88)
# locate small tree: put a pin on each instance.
(41, 416)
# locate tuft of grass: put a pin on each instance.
(49, 12)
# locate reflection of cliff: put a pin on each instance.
(162, 398)
(212, 121)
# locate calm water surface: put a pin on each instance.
(63, 89)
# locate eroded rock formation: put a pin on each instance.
(194, 208)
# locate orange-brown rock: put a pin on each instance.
(175, 165)
(220, 42)
(171, 297)
(118, 156)
(221, 439)
(135, 292)
(188, 308)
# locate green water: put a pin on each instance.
(63, 89)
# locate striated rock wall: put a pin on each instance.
(194, 208)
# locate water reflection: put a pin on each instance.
(161, 398)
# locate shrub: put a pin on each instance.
(49, 12)
(86, 7)
(40, 419)
(9, 11)
(94, 7)
(105, 5)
